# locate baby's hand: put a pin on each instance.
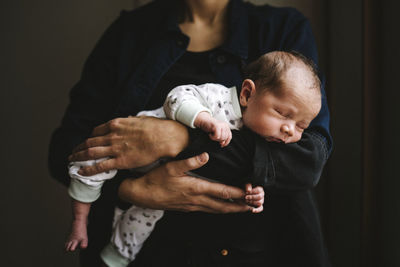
(255, 197)
(220, 132)
(217, 130)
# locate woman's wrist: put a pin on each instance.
(175, 138)
(127, 189)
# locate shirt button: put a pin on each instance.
(221, 59)
(224, 252)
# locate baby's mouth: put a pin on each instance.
(274, 139)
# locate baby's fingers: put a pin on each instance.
(256, 197)
(257, 190)
(216, 135)
(225, 142)
(228, 138)
(258, 209)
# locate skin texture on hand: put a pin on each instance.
(131, 142)
(169, 188)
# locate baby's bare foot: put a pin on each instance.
(78, 236)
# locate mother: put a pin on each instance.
(143, 55)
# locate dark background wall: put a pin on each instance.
(44, 44)
(389, 127)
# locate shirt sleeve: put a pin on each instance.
(185, 102)
(91, 101)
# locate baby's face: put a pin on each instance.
(283, 117)
(278, 119)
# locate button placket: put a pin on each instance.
(221, 59)
(224, 252)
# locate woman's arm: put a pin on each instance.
(168, 187)
(131, 142)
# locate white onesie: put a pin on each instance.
(132, 227)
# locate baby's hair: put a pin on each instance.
(267, 70)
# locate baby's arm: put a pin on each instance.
(188, 104)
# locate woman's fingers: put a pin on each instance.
(92, 153)
(248, 187)
(113, 125)
(178, 168)
(101, 135)
(93, 142)
(104, 128)
(103, 166)
(212, 205)
(219, 191)
(215, 206)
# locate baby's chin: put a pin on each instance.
(273, 139)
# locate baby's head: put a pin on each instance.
(280, 96)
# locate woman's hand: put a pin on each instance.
(131, 142)
(169, 188)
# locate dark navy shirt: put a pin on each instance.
(119, 79)
(190, 68)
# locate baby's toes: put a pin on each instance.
(67, 245)
(73, 244)
(84, 243)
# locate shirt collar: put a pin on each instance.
(237, 42)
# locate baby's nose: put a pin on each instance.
(287, 129)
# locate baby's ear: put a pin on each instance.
(248, 90)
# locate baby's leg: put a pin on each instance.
(78, 236)
(255, 197)
(130, 232)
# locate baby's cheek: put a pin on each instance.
(266, 127)
(298, 136)
(295, 138)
